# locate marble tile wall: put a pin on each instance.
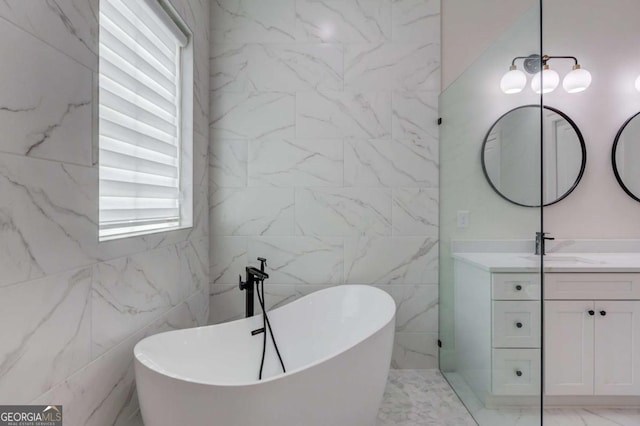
(71, 309)
(324, 154)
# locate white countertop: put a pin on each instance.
(554, 262)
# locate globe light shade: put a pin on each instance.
(577, 80)
(638, 83)
(550, 80)
(513, 81)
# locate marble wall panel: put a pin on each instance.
(343, 211)
(69, 26)
(46, 333)
(391, 260)
(48, 217)
(300, 260)
(324, 154)
(252, 115)
(392, 66)
(256, 21)
(251, 211)
(415, 212)
(391, 163)
(338, 114)
(295, 163)
(73, 308)
(344, 21)
(46, 100)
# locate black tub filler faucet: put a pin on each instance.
(254, 276)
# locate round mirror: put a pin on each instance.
(625, 156)
(511, 156)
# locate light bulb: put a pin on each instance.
(577, 80)
(638, 83)
(513, 81)
(550, 80)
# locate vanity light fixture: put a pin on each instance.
(545, 80)
(637, 84)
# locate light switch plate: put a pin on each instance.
(463, 219)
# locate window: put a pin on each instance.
(145, 119)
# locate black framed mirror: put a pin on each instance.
(511, 156)
(625, 155)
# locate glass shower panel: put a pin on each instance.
(490, 213)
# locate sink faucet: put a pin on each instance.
(254, 276)
(540, 241)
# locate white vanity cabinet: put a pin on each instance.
(591, 329)
(497, 332)
(592, 334)
(515, 334)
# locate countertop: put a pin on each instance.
(554, 262)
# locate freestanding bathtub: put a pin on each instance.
(336, 345)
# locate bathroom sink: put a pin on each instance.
(559, 258)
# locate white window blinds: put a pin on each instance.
(139, 117)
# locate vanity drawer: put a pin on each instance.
(592, 286)
(516, 286)
(515, 372)
(516, 324)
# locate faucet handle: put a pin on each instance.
(263, 263)
(543, 235)
(241, 284)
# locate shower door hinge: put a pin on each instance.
(439, 121)
(439, 343)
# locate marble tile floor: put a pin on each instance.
(424, 398)
(516, 416)
(412, 398)
(421, 398)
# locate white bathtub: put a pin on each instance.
(336, 345)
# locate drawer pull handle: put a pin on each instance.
(519, 324)
(518, 373)
(592, 312)
(603, 313)
(518, 287)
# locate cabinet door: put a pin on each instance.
(617, 360)
(569, 347)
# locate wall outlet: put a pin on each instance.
(463, 219)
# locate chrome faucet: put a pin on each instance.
(540, 242)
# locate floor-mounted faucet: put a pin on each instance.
(540, 242)
(254, 276)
